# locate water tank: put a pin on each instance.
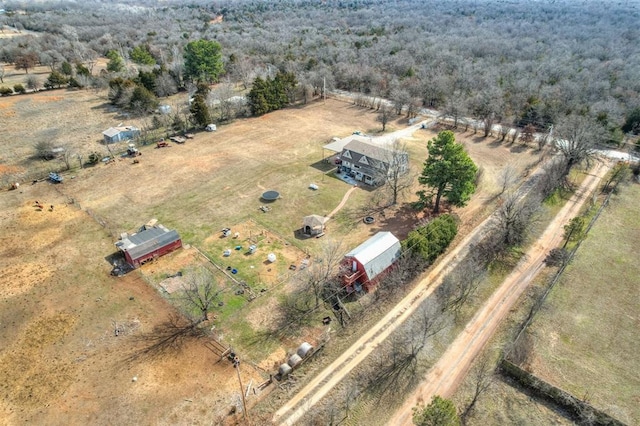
(304, 350)
(271, 257)
(294, 360)
(284, 370)
(252, 248)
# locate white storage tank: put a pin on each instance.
(304, 350)
(294, 360)
(271, 257)
(284, 370)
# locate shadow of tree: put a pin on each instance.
(166, 338)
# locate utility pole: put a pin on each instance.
(236, 365)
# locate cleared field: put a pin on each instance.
(60, 355)
(586, 336)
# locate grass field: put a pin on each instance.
(586, 336)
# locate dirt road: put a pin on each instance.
(446, 375)
(471, 340)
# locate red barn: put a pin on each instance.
(150, 243)
(368, 262)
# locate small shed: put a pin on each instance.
(121, 133)
(313, 224)
(149, 243)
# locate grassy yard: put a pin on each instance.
(586, 337)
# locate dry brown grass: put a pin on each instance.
(55, 276)
(586, 336)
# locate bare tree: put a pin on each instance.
(507, 178)
(221, 99)
(384, 115)
(2, 73)
(404, 270)
(65, 156)
(396, 364)
(576, 139)
(460, 284)
(397, 175)
(483, 378)
(200, 292)
(165, 85)
(514, 217)
(322, 271)
(528, 134)
(166, 337)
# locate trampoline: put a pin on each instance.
(270, 195)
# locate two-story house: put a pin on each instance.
(370, 163)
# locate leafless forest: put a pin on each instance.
(513, 62)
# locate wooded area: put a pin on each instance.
(512, 63)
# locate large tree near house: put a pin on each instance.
(448, 172)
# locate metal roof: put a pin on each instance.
(338, 146)
(111, 132)
(369, 150)
(147, 241)
(377, 253)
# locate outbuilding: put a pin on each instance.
(313, 224)
(366, 264)
(121, 133)
(149, 243)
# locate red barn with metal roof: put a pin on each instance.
(368, 262)
(150, 243)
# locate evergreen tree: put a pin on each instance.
(56, 80)
(115, 64)
(199, 110)
(203, 60)
(141, 55)
(449, 171)
(441, 412)
(142, 100)
(258, 97)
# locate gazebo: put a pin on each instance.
(313, 224)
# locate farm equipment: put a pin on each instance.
(162, 144)
(178, 139)
(132, 151)
(55, 178)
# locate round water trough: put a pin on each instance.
(270, 195)
(304, 350)
(294, 360)
(369, 220)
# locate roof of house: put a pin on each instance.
(369, 150)
(377, 253)
(147, 241)
(338, 145)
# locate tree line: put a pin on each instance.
(514, 63)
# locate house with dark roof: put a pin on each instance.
(149, 243)
(371, 163)
(366, 264)
(118, 134)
